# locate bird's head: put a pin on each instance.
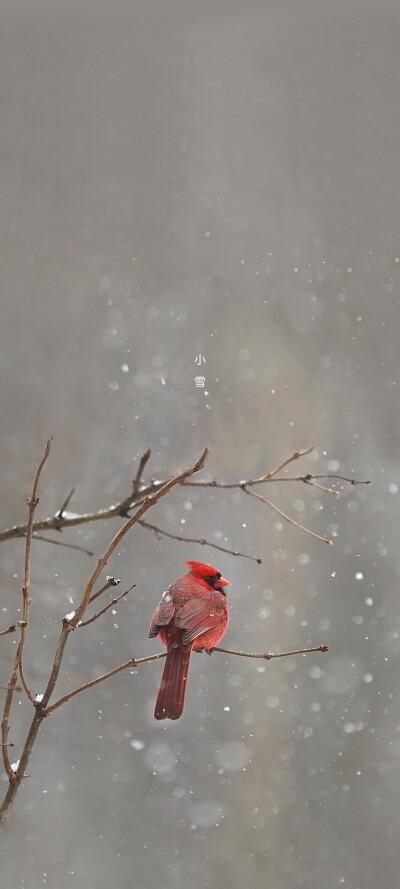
(207, 574)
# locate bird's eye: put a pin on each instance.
(212, 579)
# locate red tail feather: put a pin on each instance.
(171, 694)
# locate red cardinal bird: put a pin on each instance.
(192, 614)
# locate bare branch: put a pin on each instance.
(314, 484)
(32, 504)
(106, 608)
(71, 520)
(286, 517)
(136, 497)
(23, 624)
(271, 477)
(295, 456)
(268, 655)
(62, 509)
(129, 665)
(15, 778)
(306, 479)
(143, 460)
(343, 478)
(8, 630)
(111, 581)
(80, 549)
(148, 503)
(201, 541)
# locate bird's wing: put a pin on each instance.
(163, 615)
(195, 618)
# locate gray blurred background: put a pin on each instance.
(216, 179)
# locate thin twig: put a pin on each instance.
(343, 478)
(314, 484)
(8, 630)
(106, 608)
(271, 476)
(201, 541)
(286, 517)
(259, 481)
(126, 666)
(143, 460)
(111, 581)
(268, 655)
(307, 479)
(80, 549)
(62, 509)
(23, 624)
(32, 504)
(15, 778)
(295, 456)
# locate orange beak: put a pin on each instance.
(221, 583)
